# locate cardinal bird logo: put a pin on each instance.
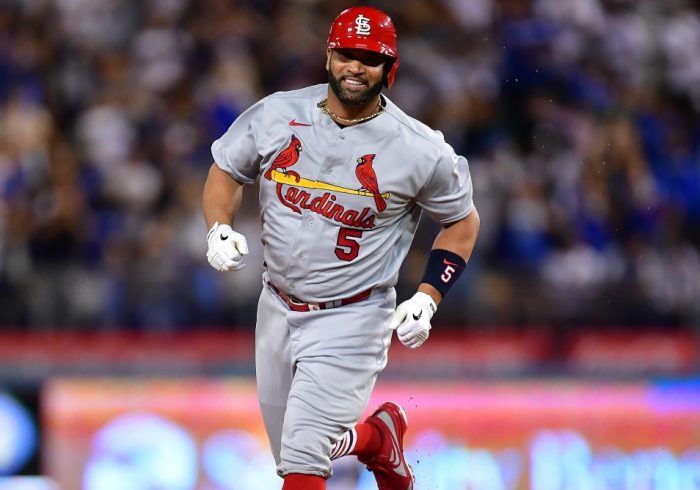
(286, 158)
(368, 178)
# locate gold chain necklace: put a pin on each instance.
(323, 105)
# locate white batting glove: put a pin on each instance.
(226, 248)
(412, 320)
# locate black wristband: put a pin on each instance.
(443, 269)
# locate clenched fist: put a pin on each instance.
(226, 248)
(412, 320)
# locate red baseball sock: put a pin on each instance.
(298, 481)
(368, 440)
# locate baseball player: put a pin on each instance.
(344, 176)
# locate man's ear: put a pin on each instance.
(329, 52)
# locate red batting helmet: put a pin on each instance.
(369, 29)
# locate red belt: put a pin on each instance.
(295, 304)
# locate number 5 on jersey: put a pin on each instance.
(347, 246)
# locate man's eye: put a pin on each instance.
(365, 60)
(373, 62)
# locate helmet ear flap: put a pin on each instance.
(390, 72)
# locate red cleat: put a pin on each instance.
(389, 466)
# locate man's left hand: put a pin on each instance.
(412, 320)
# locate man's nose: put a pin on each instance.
(356, 66)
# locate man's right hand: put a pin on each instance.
(226, 248)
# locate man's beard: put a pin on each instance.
(352, 98)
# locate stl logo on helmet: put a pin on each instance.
(362, 27)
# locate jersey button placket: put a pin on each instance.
(297, 265)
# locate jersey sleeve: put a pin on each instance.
(236, 151)
(448, 194)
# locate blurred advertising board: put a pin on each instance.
(27, 483)
(503, 351)
(19, 434)
(207, 434)
(632, 353)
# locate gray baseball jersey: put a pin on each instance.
(324, 238)
(339, 209)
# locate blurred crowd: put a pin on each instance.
(580, 120)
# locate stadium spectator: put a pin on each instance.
(580, 119)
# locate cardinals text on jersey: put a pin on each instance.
(296, 198)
